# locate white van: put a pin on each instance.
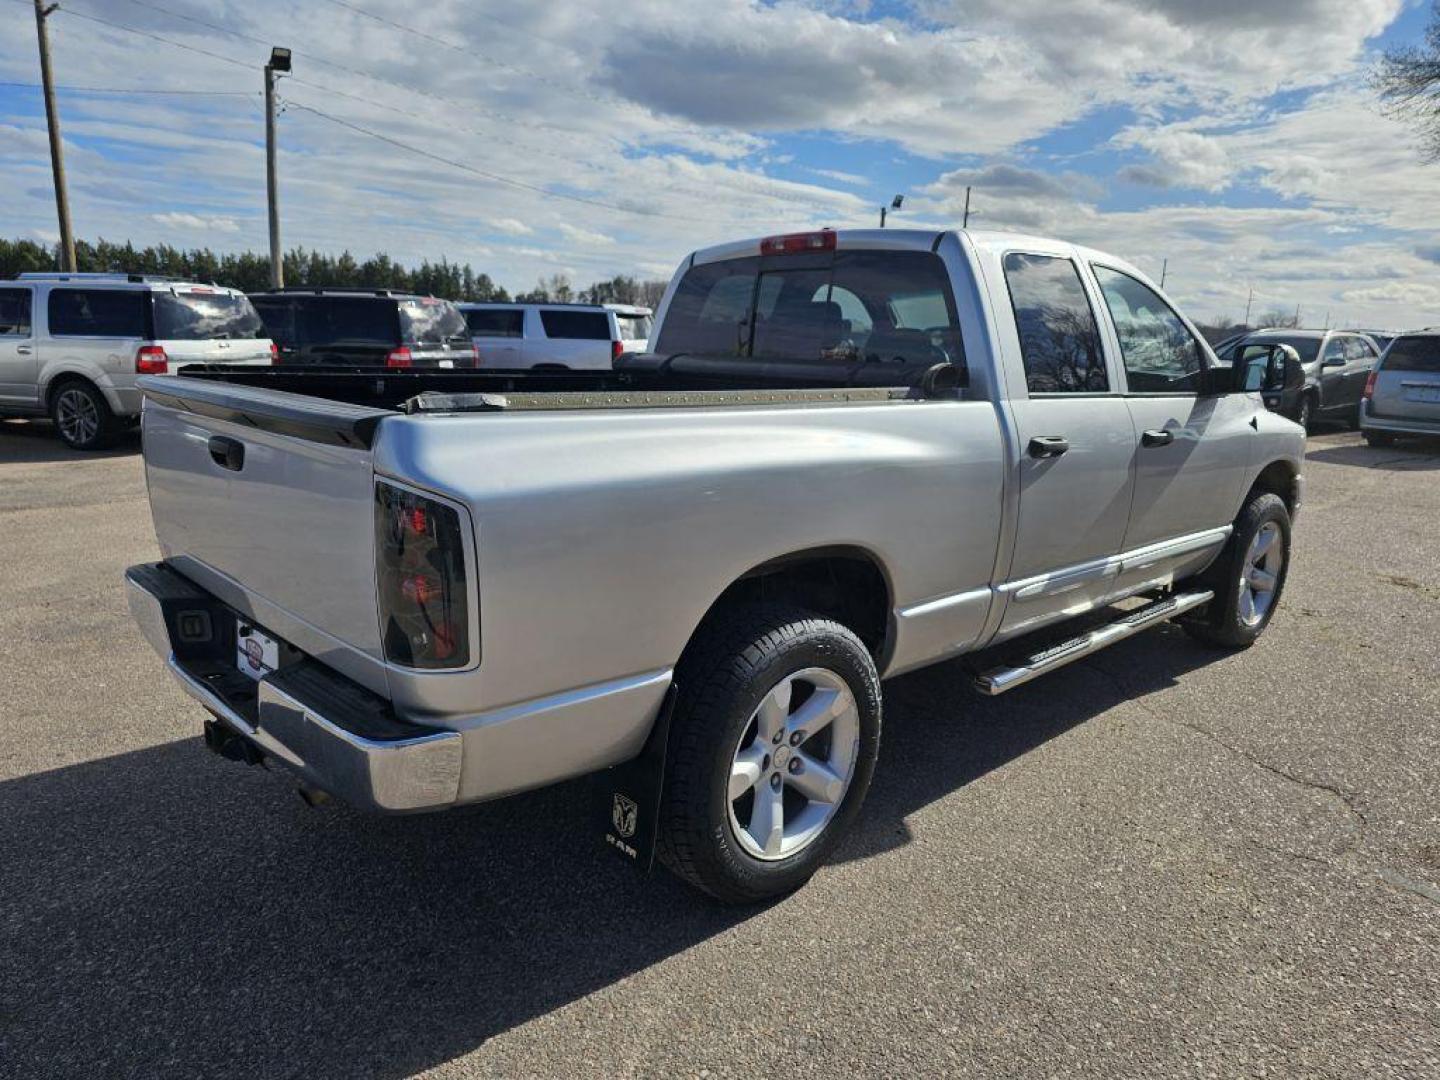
(580, 337)
(71, 345)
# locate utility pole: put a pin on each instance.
(279, 63)
(57, 150)
(1164, 269)
(882, 216)
(965, 222)
(1247, 307)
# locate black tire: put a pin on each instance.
(1221, 622)
(1379, 438)
(1305, 411)
(736, 660)
(82, 416)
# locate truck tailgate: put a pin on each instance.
(266, 499)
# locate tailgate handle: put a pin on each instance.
(226, 452)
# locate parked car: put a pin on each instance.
(632, 326)
(1402, 395)
(849, 454)
(585, 337)
(71, 345)
(365, 328)
(1336, 364)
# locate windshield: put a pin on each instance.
(633, 327)
(1413, 354)
(878, 307)
(1307, 347)
(202, 315)
(431, 322)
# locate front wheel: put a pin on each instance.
(773, 744)
(1248, 577)
(1305, 413)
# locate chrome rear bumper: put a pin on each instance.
(331, 733)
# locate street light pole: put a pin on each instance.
(965, 222)
(57, 150)
(279, 62)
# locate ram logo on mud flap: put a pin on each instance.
(624, 814)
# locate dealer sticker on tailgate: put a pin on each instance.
(256, 654)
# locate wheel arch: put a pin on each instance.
(844, 582)
(1280, 477)
(63, 377)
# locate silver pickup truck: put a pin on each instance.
(848, 454)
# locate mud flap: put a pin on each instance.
(628, 794)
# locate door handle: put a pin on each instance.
(226, 452)
(23, 350)
(1048, 446)
(1157, 437)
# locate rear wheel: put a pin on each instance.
(773, 744)
(82, 416)
(1379, 438)
(1248, 577)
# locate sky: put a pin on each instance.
(1237, 139)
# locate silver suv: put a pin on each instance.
(71, 345)
(556, 336)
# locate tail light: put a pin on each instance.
(399, 357)
(1369, 390)
(798, 243)
(151, 360)
(274, 353)
(420, 571)
(475, 352)
(616, 349)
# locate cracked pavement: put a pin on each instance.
(1161, 861)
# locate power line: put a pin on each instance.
(156, 37)
(493, 177)
(137, 90)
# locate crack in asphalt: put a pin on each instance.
(1417, 888)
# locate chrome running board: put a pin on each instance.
(998, 680)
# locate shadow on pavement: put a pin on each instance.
(36, 441)
(163, 912)
(1407, 455)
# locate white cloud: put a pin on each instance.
(590, 237)
(510, 226)
(195, 223)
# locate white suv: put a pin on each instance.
(556, 336)
(71, 345)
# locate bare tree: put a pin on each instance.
(1408, 82)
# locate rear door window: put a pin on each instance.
(14, 312)
(1059, 338)
(205, 315)
(581, 325)
(496, 322)
(1413, 354)
(633, 327)
(110, 313)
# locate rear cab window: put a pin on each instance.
(204, 315)
(107, 313)
(1059, 337)
(1419, 353)
(856, 307)
(496, 322)
(575, 325)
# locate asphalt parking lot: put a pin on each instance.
(1162, 861)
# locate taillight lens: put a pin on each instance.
(274, 353)
(420, 565)
(399, 357)
(616, 349)
(151, 360)
(1369, 390)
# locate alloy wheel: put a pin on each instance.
(77, 416)
(1261, 575)
(793, 764)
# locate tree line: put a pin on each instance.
(250, 271)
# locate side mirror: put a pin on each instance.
(1267, 367)
(1334, 361)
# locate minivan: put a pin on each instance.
(1402, 395)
